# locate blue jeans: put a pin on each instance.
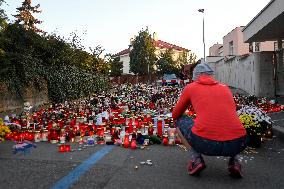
(208, 147)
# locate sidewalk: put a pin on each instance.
(278, 119)
(278, 124)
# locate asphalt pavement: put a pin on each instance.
(44, 167)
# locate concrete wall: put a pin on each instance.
(11, 101)
(252, 73)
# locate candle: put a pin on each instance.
(160, 128)
(37, 136)
(44, 135)
(126, 141)
(133, 144)
(61, 148)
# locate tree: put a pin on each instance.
(116, 67)
(166, 64)
(99, 64)
(183, 60)
(31, 59)
(142, 55)
(3, 16)
(192, 58)
(26, 18)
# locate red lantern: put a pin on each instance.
(61, 148)
(177, 141)
(159, 128)
(126, 141)
(133, 144)
(16, 137)
(67, 148)
(165, 140)
(112, 130)
(130, 127)
(150, 130)
(53, 136)
(9, 136)
(24, 135)
(31, 136)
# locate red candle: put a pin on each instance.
(150, 130)
(16, 137)
(112, 130)
(31, 136)
(165, 140)
(159, 128)
(9, 136)
(130, 127)
(53, 136)
(67, 148)
(126, 141)
(61, 148)
(133, 144)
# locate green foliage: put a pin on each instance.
(3, 16)
(142, 54)
(31, 59)
(68, 82)
(116, 67)
(25, 16)
(166, 64)
(99, 65)
(192, 58)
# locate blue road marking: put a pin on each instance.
(74, 175)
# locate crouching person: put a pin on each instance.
(217, 130)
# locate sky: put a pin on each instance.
(111, 23)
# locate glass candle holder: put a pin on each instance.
(37, 136)
(160, 128)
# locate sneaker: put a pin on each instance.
(196, 166)
(235, 168)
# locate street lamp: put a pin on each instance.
(148, 68)
(202, 11)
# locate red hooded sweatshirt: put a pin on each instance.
(216, 116)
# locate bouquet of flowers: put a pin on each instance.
(255, 120)
(4, 130)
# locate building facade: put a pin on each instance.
(233, 44)
(257, 64)
(161, 46)
(268, 25)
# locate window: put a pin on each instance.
(257, 46)
(231, 48)
(250, 47)
(276, 45)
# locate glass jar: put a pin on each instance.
(37, 136)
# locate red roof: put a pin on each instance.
(125, 51)
(160, 44)
(165, 45)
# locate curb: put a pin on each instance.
(277, 126)
(278, 131)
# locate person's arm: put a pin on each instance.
(182, 103)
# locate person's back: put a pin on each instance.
(215, 109)
(217, 130)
